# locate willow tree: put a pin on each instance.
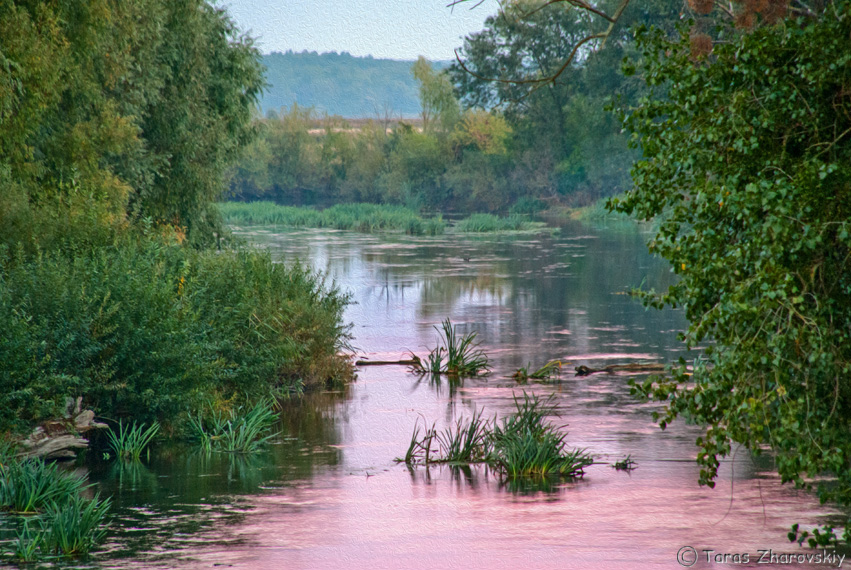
(114, 111)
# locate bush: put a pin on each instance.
(144, 329)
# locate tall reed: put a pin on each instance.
(237, 430)
(130, 441)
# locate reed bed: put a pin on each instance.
(237, 430)
(366, 218)
(130, 441)
(481, 223)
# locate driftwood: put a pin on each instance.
(612, 368)
(57, 439)
(409, 362)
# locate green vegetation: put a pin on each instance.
(548, 371)
(236, 430)
(148, 329)
(31, 486)
(130, 442)
(68, 524)
(522, 445)
(462, 355)
(367, 218)
(75, 527)
(103, 190)
(490, 223)
(625, 464)
(753, 204)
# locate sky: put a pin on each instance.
(404, 29)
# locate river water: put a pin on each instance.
(329, 494)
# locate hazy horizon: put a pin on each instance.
(401, 30)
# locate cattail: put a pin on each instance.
(701, 6)
(701, 45)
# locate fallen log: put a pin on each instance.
(405, 362)
(645, 368)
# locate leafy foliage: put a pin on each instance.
(748, 170)
(118, 110)
(145, 329)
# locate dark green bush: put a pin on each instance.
(142, 329)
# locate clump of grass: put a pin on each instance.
(75, 527)
(130, 441)
(367, 218)
(625, 464)
(30, 486)
(456, 356)
(67, 524)
(548, 371)
(25, 547)
(525, 445)
(480, 223)
(522, 445)
(237, 430)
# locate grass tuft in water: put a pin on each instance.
(522, 445)
(549, 371)
(74, 527)
(237, 430)
(30, 486)
(625, 464)
(131, 441)
(462, 354)
(465, 443)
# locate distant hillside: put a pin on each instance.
(341, 84)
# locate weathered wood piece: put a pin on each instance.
(646, 368)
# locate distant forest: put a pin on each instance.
(342, 84)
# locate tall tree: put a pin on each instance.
(748, 169)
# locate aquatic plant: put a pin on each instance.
(25, 547)
(548, 371)
(465, 442)
(477, 223)
(130, 441)
(367, 218)
(462, 354)
(524, 445)
(625, 464)
(235, 431)
(75, 526)
(30, 486)
(521, 445)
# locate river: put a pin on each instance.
(329, 494)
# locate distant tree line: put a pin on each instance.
(479, 144)
(340, 84)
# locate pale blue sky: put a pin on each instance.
(403, 29)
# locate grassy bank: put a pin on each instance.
(147, 329)
(357, 217)
(367, 218)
